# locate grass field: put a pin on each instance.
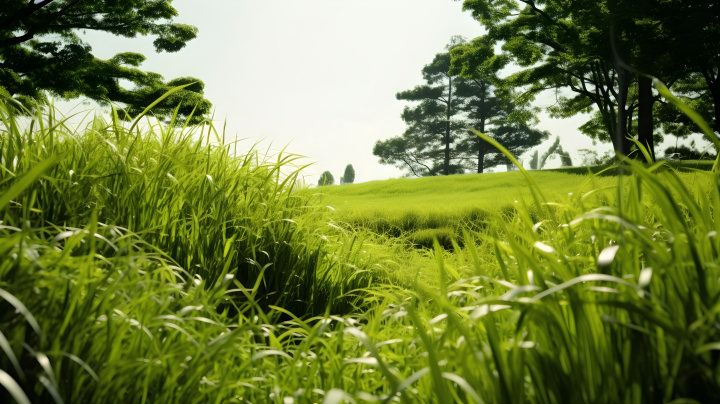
(159, 265)
(420, 208)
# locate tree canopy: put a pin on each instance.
(597, 55)
(437, 140)
(41, 52)
(426, 146)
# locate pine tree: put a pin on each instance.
(491, 109)
(426, 147)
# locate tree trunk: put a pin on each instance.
(446, 162)
(480, 156)
(620, 143)
(645, 114)
(481, 148)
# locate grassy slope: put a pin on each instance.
(406, 205)
(393, 215)
(416, 210)
(102, 300)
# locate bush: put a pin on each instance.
(326, 179)
(683, 152)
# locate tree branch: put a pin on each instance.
(22, 14)
(531, 3)
(18, 39)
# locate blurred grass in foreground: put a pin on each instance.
(120, 283)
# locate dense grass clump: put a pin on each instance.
(208, 209)
(217, 283)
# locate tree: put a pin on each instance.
(691, 29)
(326, 179)
(425, 147)
(602, 51)
(438, 141)
(349, 175)
(589, 158)
(558, 53)
(41, 52)
(492, 109)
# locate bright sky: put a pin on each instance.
(318, 76)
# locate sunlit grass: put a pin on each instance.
(220, 283)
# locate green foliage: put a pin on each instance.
(596, 54)
(209, 210)
(690, 152)
(128, 274)
(438, 141)
(349, 175)
(326, 178)
(574, 306)
(40, 51)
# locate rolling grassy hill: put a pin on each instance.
(404, 206)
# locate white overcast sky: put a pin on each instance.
(318, 76)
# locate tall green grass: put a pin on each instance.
(119, 283)
(209, 209)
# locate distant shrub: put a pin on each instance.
(348, 176)
(683, 152)
(534, 161)
(326, 179)
(591, 158)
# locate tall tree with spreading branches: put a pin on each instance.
(426, 146)
(492, 109)
(41, 52)
(603, 52)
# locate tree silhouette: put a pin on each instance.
(348, 176)
(326, 179)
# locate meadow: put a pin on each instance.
(158, 264)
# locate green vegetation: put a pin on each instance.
(438, 141)
(326, 178)
(42, 52)
(146, 262)
(398, 206)
(600, 56)
(150, 264)
(348, 176)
